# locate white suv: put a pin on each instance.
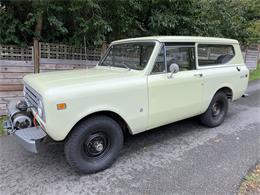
(139, 84)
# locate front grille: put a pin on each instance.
(31, 96)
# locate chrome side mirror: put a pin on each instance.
(174, 68)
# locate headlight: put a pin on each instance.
(40, 109)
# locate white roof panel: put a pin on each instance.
(180, 39)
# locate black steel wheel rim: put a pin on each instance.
(217, 108)
(96, 145)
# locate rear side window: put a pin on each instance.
(209, 55)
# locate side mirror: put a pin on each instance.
(174, 68)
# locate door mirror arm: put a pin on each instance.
(174, 68)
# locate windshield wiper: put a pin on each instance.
(126, 66)
(105, 64)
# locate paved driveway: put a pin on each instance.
(181, 158)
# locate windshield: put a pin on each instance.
(128, 55)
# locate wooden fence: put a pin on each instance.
(13, 52)
(252, 55)
(16, 62)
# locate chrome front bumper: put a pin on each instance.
(29, 138)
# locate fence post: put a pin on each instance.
(246, 53)
(258, 55)
(104, 48)
(36, 55)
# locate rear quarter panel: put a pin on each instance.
(233, 75)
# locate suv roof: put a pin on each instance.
(180, 39)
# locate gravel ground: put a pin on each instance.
(180, 158)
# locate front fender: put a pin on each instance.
(59, 128)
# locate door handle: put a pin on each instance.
(198, 75)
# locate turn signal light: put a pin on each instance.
(61, 106)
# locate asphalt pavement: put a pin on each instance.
(180, 158)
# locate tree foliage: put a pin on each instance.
(97, 21)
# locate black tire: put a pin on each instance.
(216, 112)
(83, 146)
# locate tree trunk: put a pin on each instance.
(38, 27)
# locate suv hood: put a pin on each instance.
(60, 79)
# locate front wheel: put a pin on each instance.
(216, 111)
(94, 144)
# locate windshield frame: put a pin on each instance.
(127, 42)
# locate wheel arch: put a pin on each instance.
(111, 114)
(227, 90)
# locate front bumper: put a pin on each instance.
(29, 138)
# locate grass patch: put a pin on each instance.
(255, 74)
(251, 183)
(2, 118)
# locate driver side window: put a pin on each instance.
(182, 55)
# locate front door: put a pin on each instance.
(176, 97)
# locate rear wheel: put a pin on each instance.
(94, 144)
(216, 111)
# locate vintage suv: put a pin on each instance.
(139, 84)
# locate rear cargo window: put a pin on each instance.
(209, 55)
